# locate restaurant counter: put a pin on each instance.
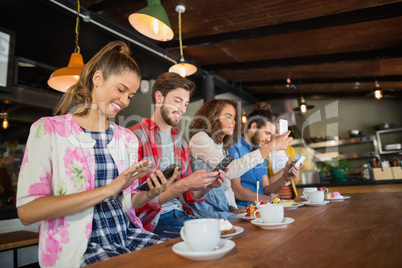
(363, 231)
(357, 186)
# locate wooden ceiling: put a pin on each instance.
(324, 46)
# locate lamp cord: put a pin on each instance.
(180, 42)
(77, 29)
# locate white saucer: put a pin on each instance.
(344, 197)
(281, 225)
(244, 217)
(294, 206)
(307, 203)
(224, 246)
(238, 230)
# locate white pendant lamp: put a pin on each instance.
(183, 68)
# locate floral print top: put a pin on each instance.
(59, 160)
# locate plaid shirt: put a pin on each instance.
(150, 148)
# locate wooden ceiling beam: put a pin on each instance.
(356, 16)
(394, 78)
(394, 52)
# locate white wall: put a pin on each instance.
(348, 114)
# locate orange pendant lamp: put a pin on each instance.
(63, 78)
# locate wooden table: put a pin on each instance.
(364, 231)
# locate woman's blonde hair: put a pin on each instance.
(112, 59)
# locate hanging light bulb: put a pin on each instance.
(152, 21)
(5, 121)
(303, 107)
(182, 68)
(377, 91)
(244, 117)
(63, 78)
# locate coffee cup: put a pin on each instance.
(315, 197)
(270, 213)
(309, 189)
(201, 234)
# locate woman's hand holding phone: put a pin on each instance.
(292, 168)
(128, 176)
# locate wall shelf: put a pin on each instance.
(333, 143)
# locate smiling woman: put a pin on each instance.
(86, 170)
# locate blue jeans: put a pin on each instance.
(170, 223)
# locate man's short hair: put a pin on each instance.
(167, 82)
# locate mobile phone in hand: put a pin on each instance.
(298, 162)
(283, 126)
(224, 163)
(167, 172)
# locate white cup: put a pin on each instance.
(201, 234)
(309, 189)
(315, 197)
(270, 213)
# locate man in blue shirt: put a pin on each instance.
(260, 129)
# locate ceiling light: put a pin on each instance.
(243, 117)
(182, 68)
(152, 21)
(5, 121)
(62, 79)
(303, 107)
(377, 91)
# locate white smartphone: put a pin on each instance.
(283, 126)
(298, 162)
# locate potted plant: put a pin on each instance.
(337, 167)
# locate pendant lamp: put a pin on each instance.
(303, 107)
(152, 22)
(5, 121)
(62, 79)
(377, 91)
(183, 68)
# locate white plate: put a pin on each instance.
(238, 230)
(244, 217)
(337, 199)
(294, 206)
(281, 225)
(307, 203)
(224, 246)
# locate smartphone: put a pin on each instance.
(224, 163)
(167, 172)
(298, 162)
(283, 126)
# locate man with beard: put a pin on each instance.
(164, 145)
(258, 134)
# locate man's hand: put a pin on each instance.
(162, 185)
(219, 180)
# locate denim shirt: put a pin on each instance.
(250, 178)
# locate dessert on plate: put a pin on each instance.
(226, 227)
(285, 203)
(329, 195)
(252, 208)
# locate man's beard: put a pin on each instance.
(168, 120)
(255, 142)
